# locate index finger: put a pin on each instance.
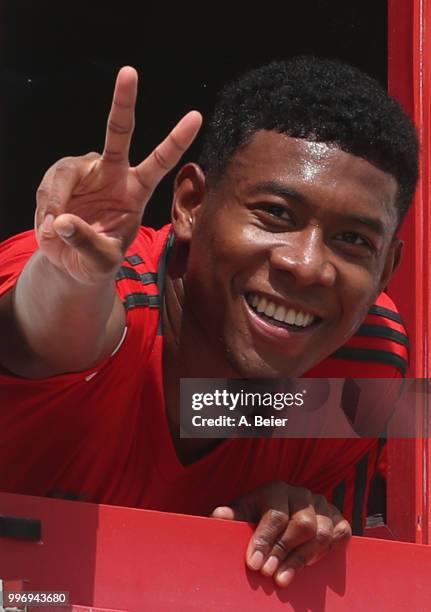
(121, 120)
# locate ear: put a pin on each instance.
(189, 193)
(392, 262)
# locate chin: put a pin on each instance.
(253, 366)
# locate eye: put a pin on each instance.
(277, 211)
(354, 239)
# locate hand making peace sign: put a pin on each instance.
(89, 208)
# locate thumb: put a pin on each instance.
(102, 250)
(92, 255)
(224, 512)
(248, 508)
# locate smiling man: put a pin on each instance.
(282, 240)
(307, 245)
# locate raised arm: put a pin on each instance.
(64, 315)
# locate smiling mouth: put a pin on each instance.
(280, 316)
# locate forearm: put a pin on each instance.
(55, 324)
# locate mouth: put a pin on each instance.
(280, 316)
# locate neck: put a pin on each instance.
(186, 354)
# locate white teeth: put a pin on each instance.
(270, 309)
(261, 305)
(279, 313)
(308, 319)
(290, 317)
(299, 320)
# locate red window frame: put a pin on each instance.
(409, 80)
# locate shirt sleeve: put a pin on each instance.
(14, 254)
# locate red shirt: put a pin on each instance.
(102, 435)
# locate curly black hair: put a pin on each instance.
(320, 100)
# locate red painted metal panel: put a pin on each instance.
(137, 560)
(73, 609)
(422, 64)
(409, 461)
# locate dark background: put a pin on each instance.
(58, 62)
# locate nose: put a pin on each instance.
(305, 257)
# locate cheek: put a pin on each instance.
(364, 285)
(227, 252)
(207, 280)
(359, 292)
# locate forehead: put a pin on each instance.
(327, 178)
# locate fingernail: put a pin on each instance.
(256, 560)
(47, 223)
(223, 512)
(66, 230)
(341, 534)
(285, 577)
(270, 565)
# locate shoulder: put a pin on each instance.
(145, 251)
(148, 246)
(14, 254)
(378, 349)
(141, 275)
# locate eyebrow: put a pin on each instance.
(375, 224)
(286, 192)
(277, 189)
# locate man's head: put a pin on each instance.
(307, 169)
(321, 101)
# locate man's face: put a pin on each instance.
(288, 252)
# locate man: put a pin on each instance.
(282, 239)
